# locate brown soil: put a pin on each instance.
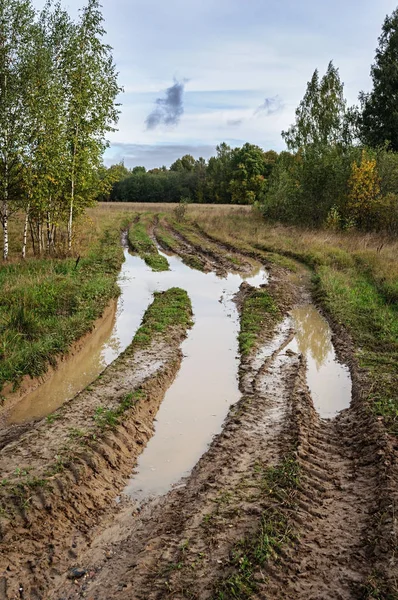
(180, 545)
(59, 476)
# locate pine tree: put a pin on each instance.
(379, 119)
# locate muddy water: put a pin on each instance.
(328, 380)
(71, 376)
(195, 406)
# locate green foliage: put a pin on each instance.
(109, 418)
(47, 304)
(140, 242)
(379, 118)
(180, 211)
(354, 300)
(328, 181)
(322, 118)
(57, 103)
(169, 309)
(235, 176)
(258, 310)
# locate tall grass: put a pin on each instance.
(47, 304)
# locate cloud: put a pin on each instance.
(154, 155)
(234, 122)
(169, 109)
(270, 106)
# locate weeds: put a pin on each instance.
(258, 309)
(140, 242)
(108, 418)
(248, 555)
(47, 304)
(169, 309)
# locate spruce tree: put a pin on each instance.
(379, 119)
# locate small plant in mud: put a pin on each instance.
(75, 433)
(52, 417)
(377, 588)
(279, 485)
(109, 417)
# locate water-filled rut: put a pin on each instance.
(198, 401)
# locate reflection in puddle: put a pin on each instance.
(197, 403)
(328, 380)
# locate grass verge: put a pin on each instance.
(169, 309)
(47, 304)
(356, 282)
(141, 243)
(258, 311)
(168, 317)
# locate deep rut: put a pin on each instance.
(180, 546)
(330, 559)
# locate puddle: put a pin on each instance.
(71, 376)
(328, 380)
(197, 403)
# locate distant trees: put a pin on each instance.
(234, 175)
(58, 87)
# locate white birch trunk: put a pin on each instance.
(25, 232)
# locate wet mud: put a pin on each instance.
(143, 537)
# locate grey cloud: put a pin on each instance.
(270, 106)
(168, 110)
(156, 155)
(234, 122)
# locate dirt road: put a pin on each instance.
(283, 505)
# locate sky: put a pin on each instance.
(197, 73)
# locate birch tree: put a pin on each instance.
(92, 112)
(16, 17)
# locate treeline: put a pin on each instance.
(338, 173)
(234, 175)
(340, 169)
(57, 102)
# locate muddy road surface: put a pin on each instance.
(239, 468)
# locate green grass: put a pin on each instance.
(249, 554)
(355, 302)
(259, 309)
(169, 309)
(170, 243)
(141, 243)
(356, 282)
(106, 418)
(377, 588)
(47, 304)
